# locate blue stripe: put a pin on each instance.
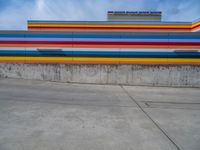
(120, 36)
(106, 53)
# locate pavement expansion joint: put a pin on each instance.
(154, 122)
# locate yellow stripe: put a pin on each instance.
(12, 58)
(109, 25)
(195, 24)
(184, 60)
(136, 59)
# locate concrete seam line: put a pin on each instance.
(146, 114)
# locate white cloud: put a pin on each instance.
(40, 5)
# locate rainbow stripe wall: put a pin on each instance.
(103, 42)
(114, 26)
(99, 47)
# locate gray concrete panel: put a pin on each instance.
(48, 115)
(150, 75)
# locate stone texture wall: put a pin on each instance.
(150, 75)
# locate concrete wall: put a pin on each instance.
(152, 75)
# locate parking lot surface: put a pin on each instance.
(39, 115)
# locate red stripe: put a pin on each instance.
(99, 43)
(128, 28)
(195, 27)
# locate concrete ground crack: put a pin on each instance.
(146, 114)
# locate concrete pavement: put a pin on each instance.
(49, 115)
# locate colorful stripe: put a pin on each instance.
(108, 54)
(130, 38)
(117, 26)
(100, 40)
(97, 60)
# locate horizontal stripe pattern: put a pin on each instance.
(77, 53)
(97, 60)
(126, 38)
(100, 47)
(100, 40)
(128, 24)
(96, 56)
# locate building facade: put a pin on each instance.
(125, 38)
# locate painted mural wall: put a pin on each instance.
(99, 47)
(126, 38)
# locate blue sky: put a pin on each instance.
(15, 13)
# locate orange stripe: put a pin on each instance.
(147, 30)
(101, 62)
(12, 61)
